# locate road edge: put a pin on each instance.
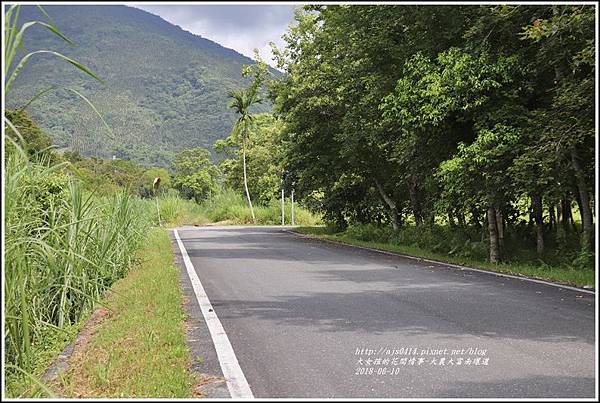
(499, 274)
(236, 380)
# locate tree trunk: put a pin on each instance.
(536, 205)
(552, 218)
(586, 211)
(475, 218)
(493, 230)
(390, 203)
(579, 205)
(246, 181)
(451, 218)
(414, 200)
(571, 219)
(461, 219)
(565, 206)
(399, 218)
(500, 224)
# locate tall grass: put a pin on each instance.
(63, 250)
(230, 207)
(225, 207)
(175, 211)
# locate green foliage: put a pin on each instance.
(28, 136)
(475, 173)
(264, 155)
(175, 211)
(229, 207)
(64, 248)
(393, 123)
(113, 176)
(195, 175)
(140, 349)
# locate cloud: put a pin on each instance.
(240, 27)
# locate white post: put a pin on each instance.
(282, 208)
(282, 205)
(293, 221)
(158, 210)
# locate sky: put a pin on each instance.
(239, 27)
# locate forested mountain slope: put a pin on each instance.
(165, 88)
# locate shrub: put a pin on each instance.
(63, 248)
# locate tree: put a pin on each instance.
(28, 135)
(264, 154)
(241, 102)
(414, 114)
(564, 37)
(195, 175)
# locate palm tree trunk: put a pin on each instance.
(246, 181)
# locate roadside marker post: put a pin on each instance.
(282, 204)
(292, 197)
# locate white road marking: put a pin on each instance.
(532, 280)
(236, 381)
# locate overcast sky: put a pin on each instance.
(239, 27)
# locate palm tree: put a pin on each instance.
(241, 101)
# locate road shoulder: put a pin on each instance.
(518, 276)
(204, 361)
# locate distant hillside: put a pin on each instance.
(165, 87)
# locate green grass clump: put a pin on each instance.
(175, 211)
(63, 249)
(139, 349)
(231, 207)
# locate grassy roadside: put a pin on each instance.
(562, 275)
(137, 347)
(224, 208)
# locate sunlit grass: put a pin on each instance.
(226, 207)
(140, 349)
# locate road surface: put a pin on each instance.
(308, 318)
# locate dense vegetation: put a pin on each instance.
(74, 224)
(473, 123)
(466, 132)
(164, 88)
(63, 248)
(138, 349)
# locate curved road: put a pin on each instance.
(308, 318)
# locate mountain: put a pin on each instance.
(165, 88)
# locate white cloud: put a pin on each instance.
(240, 27)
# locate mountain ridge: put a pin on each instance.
(166, 88)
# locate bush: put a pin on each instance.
(231, 207)
(453, 241)
(368, 232)
(63, 248)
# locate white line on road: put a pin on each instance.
(236, 381)
(499, 274)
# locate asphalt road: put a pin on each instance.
(305, 316)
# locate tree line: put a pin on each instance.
(476, 117)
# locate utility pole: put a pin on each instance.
(282, 205)
(293, 221)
